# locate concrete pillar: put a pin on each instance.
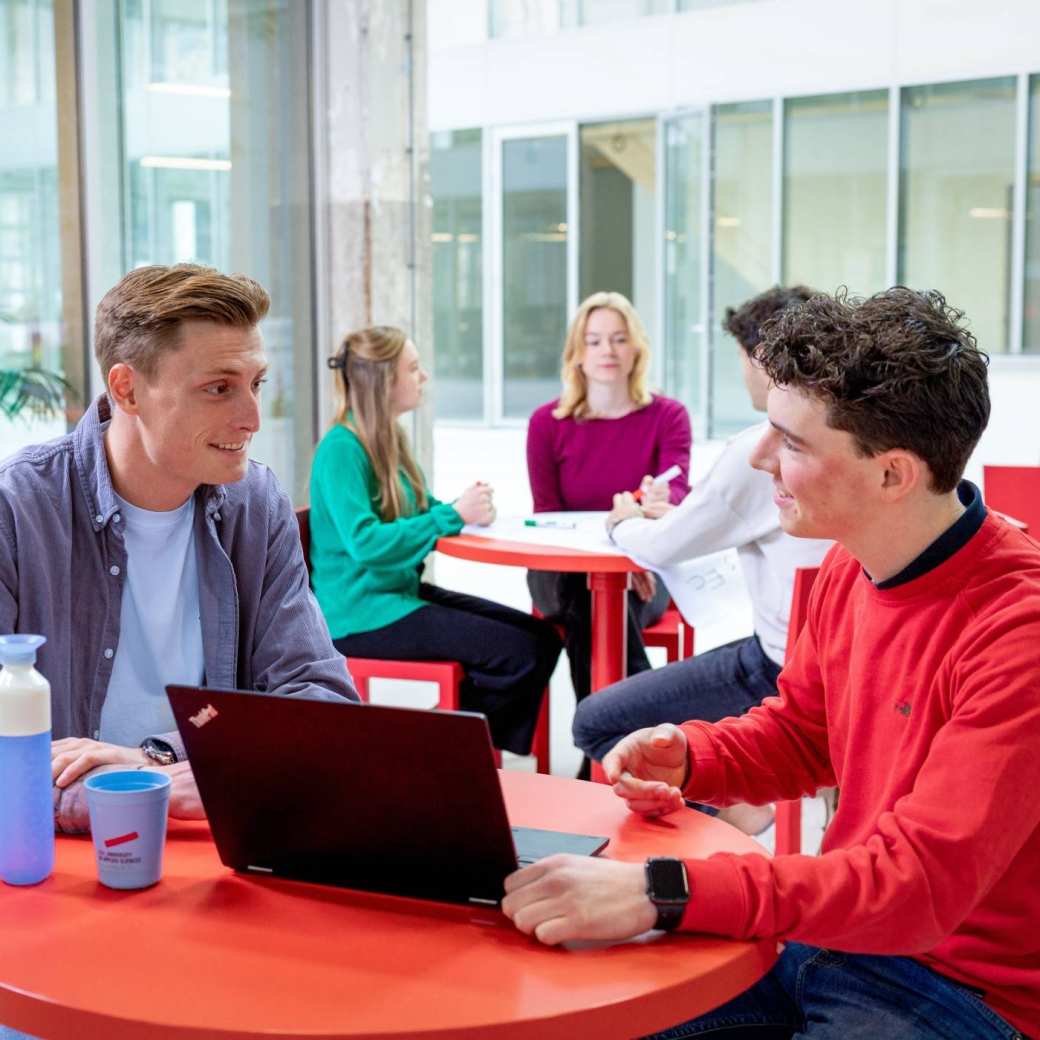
(375, 229)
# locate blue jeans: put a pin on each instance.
(729, 680)
(821, 995)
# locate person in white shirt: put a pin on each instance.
(731, 508)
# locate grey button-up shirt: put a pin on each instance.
(63, 563)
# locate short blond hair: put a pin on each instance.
(573, 400)
(139, 318)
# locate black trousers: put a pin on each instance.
(508, 656)
(565, 598)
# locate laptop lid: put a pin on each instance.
(397, 800)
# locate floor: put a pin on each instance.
(463, 455)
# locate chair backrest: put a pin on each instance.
(804, 577)
(1014, 490)
(303, 518)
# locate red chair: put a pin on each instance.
(1014, 490)
(672, 633)
(789, 814)
(447, 675)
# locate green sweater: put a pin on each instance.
(365, 572)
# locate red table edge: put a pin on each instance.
(486, 549)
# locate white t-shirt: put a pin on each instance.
(160, 630)
(733, 508)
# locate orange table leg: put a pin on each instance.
(609, 636)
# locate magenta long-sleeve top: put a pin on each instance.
(581, 464)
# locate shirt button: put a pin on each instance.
(114, 571)
(109, 653)
(99, 519)
(216, 516)
(116, 518)
(97, 734)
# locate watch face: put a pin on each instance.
(667, 880)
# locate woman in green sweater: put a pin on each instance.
(373, 521)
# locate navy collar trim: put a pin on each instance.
(951, 541)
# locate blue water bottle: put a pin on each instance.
(26, 802)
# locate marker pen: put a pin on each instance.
(559, 524)
(662, 478)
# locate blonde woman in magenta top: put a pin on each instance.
(373, 522)
(606, 433)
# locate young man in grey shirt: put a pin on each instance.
(146, 546)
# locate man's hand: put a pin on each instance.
(568, 897)
(648, 768)
(644, 584)
(74, 756)
(185, 803)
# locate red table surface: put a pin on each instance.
(210, 954)
(536, 557)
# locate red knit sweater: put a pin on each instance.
(922, 702)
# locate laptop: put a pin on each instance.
(398, 800)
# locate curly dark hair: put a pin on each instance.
(896, 370)
(744, 323)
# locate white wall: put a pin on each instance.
(731, 53)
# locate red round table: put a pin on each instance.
(608, 580)
(211, 955)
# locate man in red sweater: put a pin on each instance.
(915, 687)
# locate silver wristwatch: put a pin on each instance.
(158, 751)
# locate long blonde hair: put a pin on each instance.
(367, 363)
(573, 400)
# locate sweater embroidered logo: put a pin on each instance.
(903, 708)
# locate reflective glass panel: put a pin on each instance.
(835, 189)
(458, 312)
(30, 261)
(215, 146)
(534, 270)
(596, 12)
(742, 245)
(1031, 322)
(956, 192)
(618, 193)
(684, 233)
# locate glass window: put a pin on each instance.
(742, 245)
(697, 5)
(956, 191)
(1031, 323)
(835, 190)
(458, 311)
(214, 119)
(597, 12)
(512, 18)
(618, 192)
(30, 261)
(683, 262)
(534, 269)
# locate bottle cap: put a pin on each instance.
(20, 649)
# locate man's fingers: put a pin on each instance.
(76, 768)
(665, 735)
(554, 931)
(523, 876)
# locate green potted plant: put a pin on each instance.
(32, 390)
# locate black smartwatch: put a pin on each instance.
(668, 889)
(158, 751)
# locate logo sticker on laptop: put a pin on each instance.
(204, 715)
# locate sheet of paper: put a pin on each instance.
(707, 588)
(583, 531)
